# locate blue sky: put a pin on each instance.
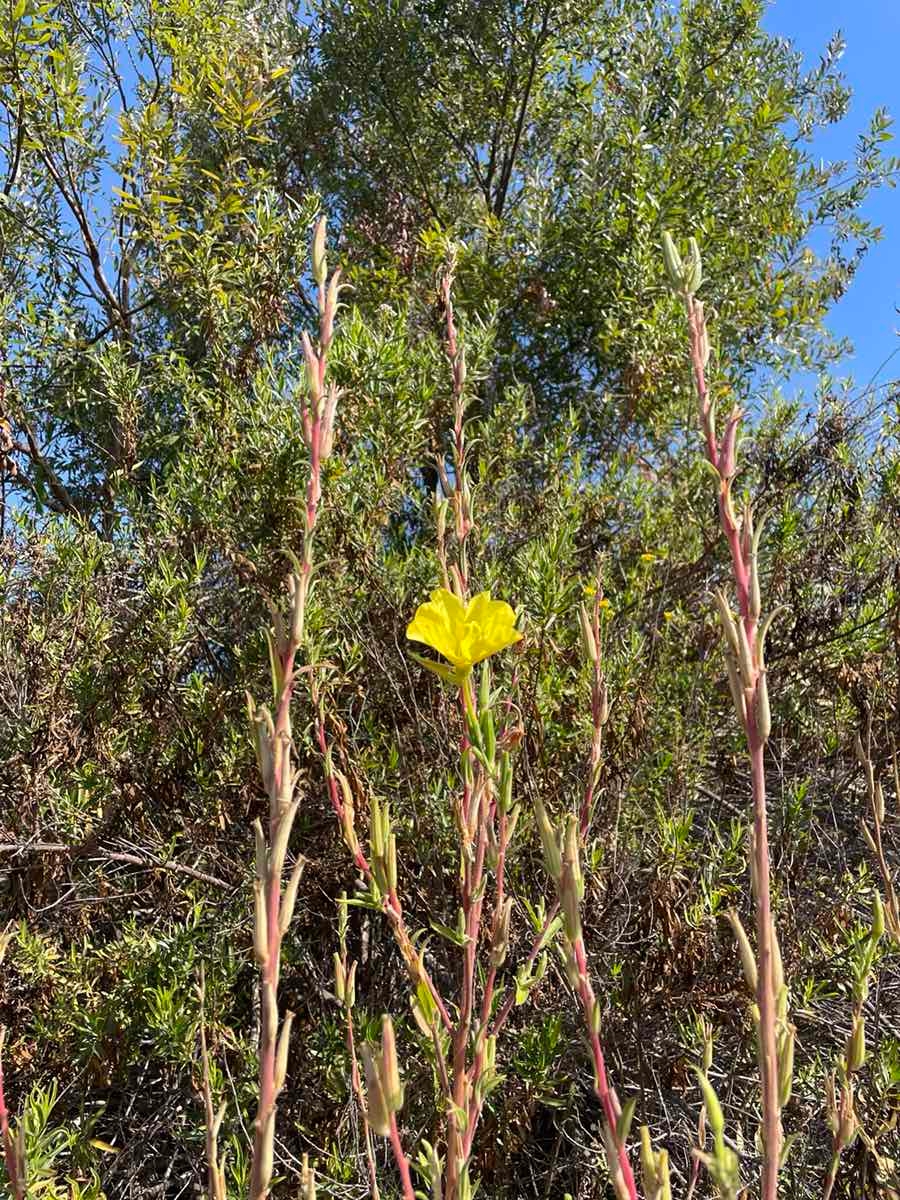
(871, 65)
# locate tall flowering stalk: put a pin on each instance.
(275, 899)
(745, 635)
(562, 858)
(465, 631)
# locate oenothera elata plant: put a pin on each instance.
(466, 632)
(562, 857)
(273, 737)
(745, 638)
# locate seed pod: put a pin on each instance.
(777, 962)
(761, 638)
(735, 686)
(391, 864)
(340, 979)
(762, 712)
(289, 899)
(727, 621)
(260, 924)
(693, 274)
(745, 658)
(262, 851)
(282, 834)
(281, 1053)
(262, 1169)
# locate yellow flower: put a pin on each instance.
(464, 634)
(647, 557)
(606, 606)
(668, 615)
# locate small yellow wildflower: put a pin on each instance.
(668, 615)
(464, 634)
(606, 607)
(647, 557)
(590, 589)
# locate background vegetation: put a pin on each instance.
(162, 166)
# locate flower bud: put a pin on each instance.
(390, 1071)
(674, 265)
(307, 1181)
(748, 961)
(786, 1066)
(856, 1044)
(552, 856)
(588, 641)
(500, 941)
(319, 261)
(376, 1104)
(877, 918)
(711, 1102)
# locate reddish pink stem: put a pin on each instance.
(605, 1094)
(722, 457)
(409, 1192)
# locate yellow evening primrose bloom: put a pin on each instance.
(464, 634)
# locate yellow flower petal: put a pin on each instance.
(464, 634)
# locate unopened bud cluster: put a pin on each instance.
(319, 411)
